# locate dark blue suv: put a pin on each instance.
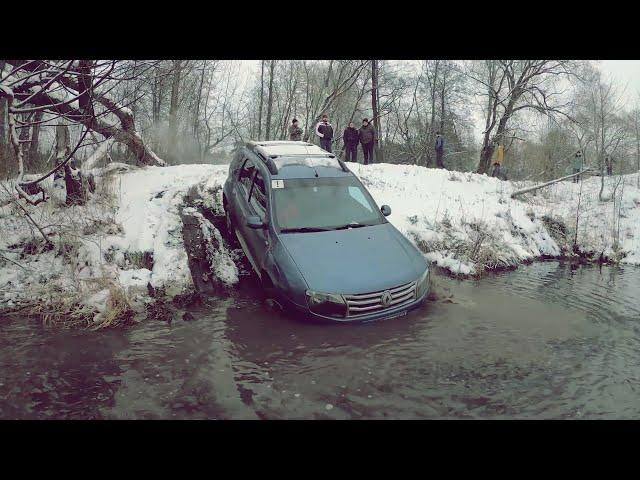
(316, 238)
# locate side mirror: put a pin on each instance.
(386, 210)
(255, 222)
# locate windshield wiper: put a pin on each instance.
(352, 225)
(304, 229)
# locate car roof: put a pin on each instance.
(287, 159)
(281, 147)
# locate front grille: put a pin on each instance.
(372, 302)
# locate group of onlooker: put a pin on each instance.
(366, 136)
(578, 165)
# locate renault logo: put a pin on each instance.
(386, 298)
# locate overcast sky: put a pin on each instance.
(626, 73)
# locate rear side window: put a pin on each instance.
(246, 174)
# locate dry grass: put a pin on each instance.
(66, 310)
(119, 311)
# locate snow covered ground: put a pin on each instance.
(129, 235)
(467, 223)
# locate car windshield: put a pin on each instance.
(316, 204)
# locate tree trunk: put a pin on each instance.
(3, 115)
(196, 119)
(156, 93)
(374, 108)
(270, 100)
(431, 131)
(3, 121)
(261, 100)
(487, 150)
(173, 109)
(63, 143)
(72, 182)
(485, 159)
(546, 184)
(24, 140)
(85, 101)
(35, 139)
(442, 103)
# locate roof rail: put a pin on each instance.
(273, 169)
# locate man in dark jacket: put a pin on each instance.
(295, 132)
(367, 135)
(351, 137)
(324, 130)
(439, 150)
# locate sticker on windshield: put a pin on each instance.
(277, 183)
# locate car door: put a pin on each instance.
(252, 240)
(258, 242)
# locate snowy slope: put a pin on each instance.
(468, 222)
(135, 221)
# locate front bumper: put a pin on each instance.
(302, 312)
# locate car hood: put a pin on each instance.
(357, 260)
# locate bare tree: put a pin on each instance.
(598, 107)
(52, 87)
(325, 86)
(270, 99)
(511, 86)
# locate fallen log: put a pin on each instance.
(546, 184)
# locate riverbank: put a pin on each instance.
(145, 231)
(108, 258)
(468, 223)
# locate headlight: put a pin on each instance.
(424, 281)
(330, 304)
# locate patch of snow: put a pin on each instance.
(134, 278)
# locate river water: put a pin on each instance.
(546, 341)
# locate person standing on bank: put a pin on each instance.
(577, 165)
(295, 132)
(439, 150)
(350, 136)
(324, 130)
(608, 161)
(367, 135)
(498, 158)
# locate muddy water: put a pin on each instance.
(545, 341)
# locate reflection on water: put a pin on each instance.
(545, 341)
